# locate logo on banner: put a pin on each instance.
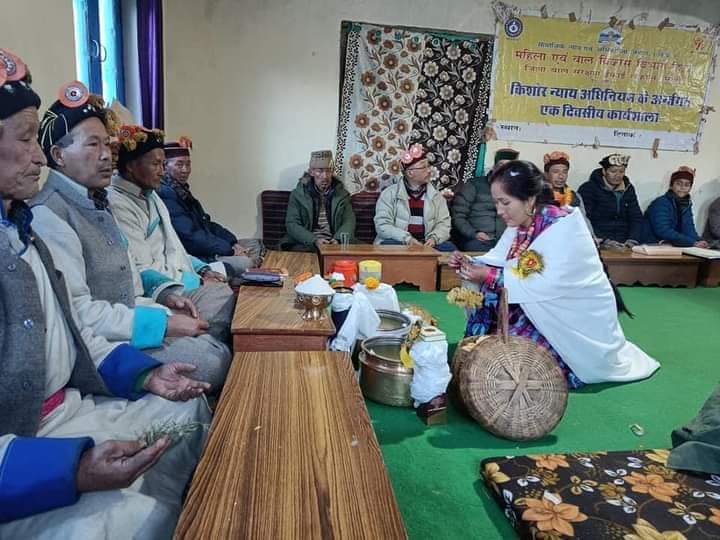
(513, 27)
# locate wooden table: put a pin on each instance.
(709, 274)
(409, 264)
(291, 454)
(628, 268)
(266, 318)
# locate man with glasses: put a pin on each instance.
(413, 212)
(319, 211)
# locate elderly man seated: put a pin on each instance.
(412, 211)
(712, 229)
(475, 221)
(201, 236)
(319, 211)
(72, 217)
(154, 245)
(72, 406)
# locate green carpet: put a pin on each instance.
(435, 470)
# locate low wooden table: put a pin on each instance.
(628, 268)
(709, 275)
(400, 264)
(267, 319)
(291, 454)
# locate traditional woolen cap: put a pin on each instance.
(321, 159)
(75, 104)
(412, 155)
(179, 148)
(556, 158)
(136, 141)
(683, 172)
(614, 160)
(506, 154)
(15, 91)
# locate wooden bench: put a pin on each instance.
(274, 204)
(291, 454)
(400, 264)
(267, 319)
(625, 268)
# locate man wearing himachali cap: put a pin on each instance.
(72, 216)
(71, 405)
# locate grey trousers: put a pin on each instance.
(216, 304)
(210, 356)
(236, 264)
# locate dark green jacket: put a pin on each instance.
(696, 446)
(473, 211)
(302, 214)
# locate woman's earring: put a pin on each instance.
(530, 211)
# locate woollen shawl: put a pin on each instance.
(571, 302)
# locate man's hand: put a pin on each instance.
(116, 464)
(482, 236)
(412, 241)
(180, 303)
(170, 381)
(430, 242)
(701, 244)
(239, 251)
(213, 277)
(630, 243)
(182, 325)
(321, 242)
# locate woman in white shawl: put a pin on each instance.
(558, 293)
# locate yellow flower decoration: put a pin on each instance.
(529, 262)
(464, 297)
(372, 283)
(659, 455)
(646, 531)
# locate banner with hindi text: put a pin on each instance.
(558, 81)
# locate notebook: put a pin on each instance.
(702, 252)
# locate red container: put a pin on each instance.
(347, 269)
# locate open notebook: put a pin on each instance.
(657, 250)
(702, 252)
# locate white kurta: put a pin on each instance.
(147, 509)
(572, 304)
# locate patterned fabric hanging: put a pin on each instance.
(451, 108)
(401, 87)
(382, 69)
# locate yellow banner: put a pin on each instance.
(573, 82)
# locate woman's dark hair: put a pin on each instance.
(522, 180)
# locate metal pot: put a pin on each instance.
(315, 305)
(383, 378)
(393, 323)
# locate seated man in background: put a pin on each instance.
(612, 204)
(154, 246)
(474, 217)
(72, 217)
(71, 406)
(712, 229)
(669, 218)
(319, 211)
(201, 236)
(412, 211)
(557, 167)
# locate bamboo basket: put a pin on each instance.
(510, 385)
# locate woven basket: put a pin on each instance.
(462, 353)
(510, 385)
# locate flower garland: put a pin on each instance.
(564, 198)
(465, 298)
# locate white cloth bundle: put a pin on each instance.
(431, 372)
(362, 321)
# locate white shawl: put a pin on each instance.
(571, 302)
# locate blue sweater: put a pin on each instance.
(661, 219)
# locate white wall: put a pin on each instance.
(255, 84)
(41, 33)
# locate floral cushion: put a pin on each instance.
(620, 495)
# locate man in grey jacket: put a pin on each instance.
(475, 221)
(63, 391)
(72, 216)
(712, 229)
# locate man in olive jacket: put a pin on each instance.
(477, 227)
(319, 211)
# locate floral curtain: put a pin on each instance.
(401, 87)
